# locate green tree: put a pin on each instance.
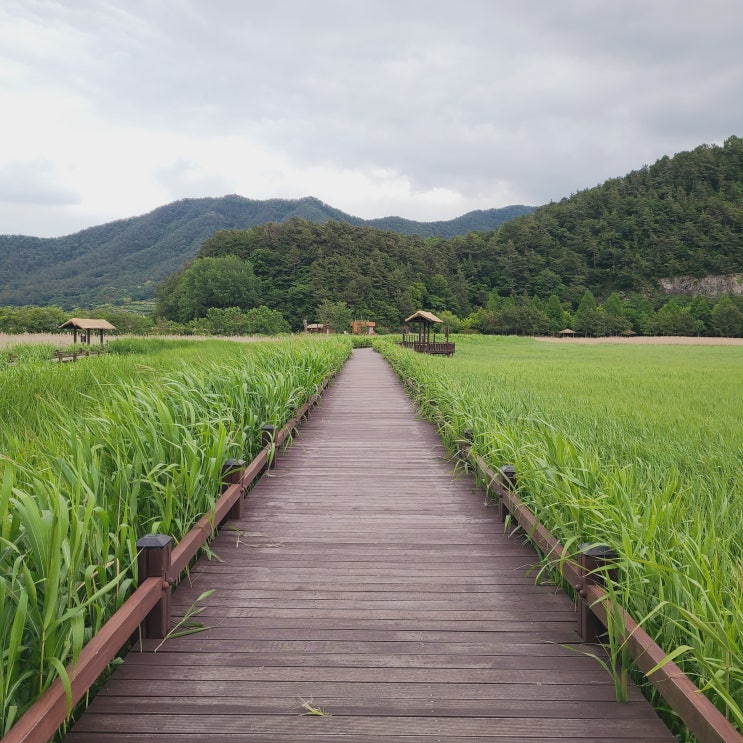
(450, 320)
(440, 296)
(480, 320)
(674, 319)
(495, 302)
(264, 321)
(558, 317)
(225, 321)
(31, 319)
(335, 314)
(726, 318)
(589, 320)
(616, 322)
(125, 321)
(701, 310)
(639, 310)
(168, 297)
(547, 282)
(215, 282)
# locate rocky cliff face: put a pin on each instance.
(709, 286)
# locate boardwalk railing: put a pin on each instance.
(75, 354)
(598, 610)
(147, 611)
(446, 349)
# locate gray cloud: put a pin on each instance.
(541, 99)
(33, 183)
(184, 178)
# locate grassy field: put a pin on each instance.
(95, 454)
(636, 446)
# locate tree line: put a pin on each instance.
(634, 314)
(594, 260)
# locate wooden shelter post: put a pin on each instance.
(425, 321)
(85, 326)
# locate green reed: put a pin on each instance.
(98, 453)
(637, 447)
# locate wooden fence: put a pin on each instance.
(597, 609)
(62, 356)
(147, 610)
(444, 349)
(160, 565)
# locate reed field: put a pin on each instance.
(636, 446)
(95, 454)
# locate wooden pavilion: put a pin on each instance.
(421, 341)
(317, 327)
(84, 326)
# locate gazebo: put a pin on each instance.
(85, 325)
(567, 333)
(316, 327)
(421, 341)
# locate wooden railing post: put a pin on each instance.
(232, 474)
(507, 476)
(592, 559)
(153, 561)
(267, 436)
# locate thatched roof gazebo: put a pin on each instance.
(85, 325)
(567, 333)
(421, 341)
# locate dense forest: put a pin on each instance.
(123, 261)
(595, 260)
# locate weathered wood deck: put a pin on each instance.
(372, 582)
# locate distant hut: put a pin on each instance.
(84, 326)
(363, 327)
(421, 342)
(316, 327)
(567, 333)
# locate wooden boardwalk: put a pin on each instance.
(372, 582)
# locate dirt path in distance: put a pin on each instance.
(647, 340)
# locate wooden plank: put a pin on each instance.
(493, 676)
(571, 695)
(338, 656)
(300, 727)
(366, 576)
(345, 706)
(261, 737)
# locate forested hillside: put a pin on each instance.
(124, 260)
(682, 216)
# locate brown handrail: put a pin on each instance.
(698, 713)
(50, 710)
(48, 713)
(443, 348)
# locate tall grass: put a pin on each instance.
(637, 447)
(96, 454)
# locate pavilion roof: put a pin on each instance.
(84, 323)
(423, 316)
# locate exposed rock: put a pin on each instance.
(709, 286)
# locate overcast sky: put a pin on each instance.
(425, 109)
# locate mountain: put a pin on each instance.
(630, 238)
(125, 260)
(680, 217)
